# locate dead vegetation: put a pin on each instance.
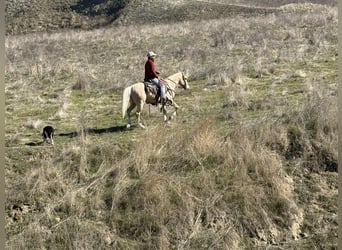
(249, 163)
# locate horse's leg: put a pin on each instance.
(164, 113)
(174, 113)
(140, 107)
(129, 110)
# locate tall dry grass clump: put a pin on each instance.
(313, 128)
(188, 188)
(196, 190)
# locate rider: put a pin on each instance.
(153, 76)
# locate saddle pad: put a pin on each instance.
(151, 88)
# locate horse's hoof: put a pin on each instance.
(141, 126)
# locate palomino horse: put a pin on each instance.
(135, 96)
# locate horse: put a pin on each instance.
(136, 96)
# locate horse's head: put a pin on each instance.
(178, 78)
(184, 81)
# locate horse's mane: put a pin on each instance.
(173, 75)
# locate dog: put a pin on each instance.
(48, 134)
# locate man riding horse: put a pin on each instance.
(152, 75)
(136, 96)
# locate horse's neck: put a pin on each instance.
(171, 84)
(173, 80)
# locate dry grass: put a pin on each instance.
(199, 191)
(253, 149)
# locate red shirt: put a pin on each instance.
(150, 69)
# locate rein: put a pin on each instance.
(168, 86)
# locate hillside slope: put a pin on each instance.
(44, 15)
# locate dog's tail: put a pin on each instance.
(126, 97)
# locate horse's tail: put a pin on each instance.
(125, 100)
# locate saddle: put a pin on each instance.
(153, 90)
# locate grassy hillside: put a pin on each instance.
(43, 15)
(250, 162)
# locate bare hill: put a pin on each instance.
(45, 15)
(34, 16)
